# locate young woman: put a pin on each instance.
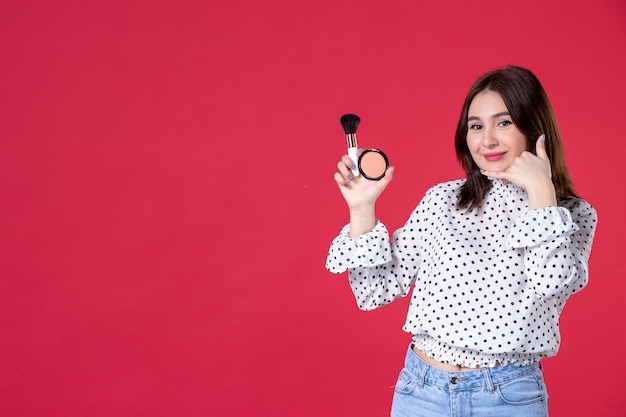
(492, 258)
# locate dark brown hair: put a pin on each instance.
(532, 114)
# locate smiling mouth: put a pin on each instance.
(491, 157)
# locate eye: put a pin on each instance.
(505, 123)
(475, 126)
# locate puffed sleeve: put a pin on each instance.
(557, 244)
(379, 271)
(368, 250)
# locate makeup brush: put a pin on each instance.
(350, 122)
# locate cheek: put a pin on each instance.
(521, 142)
(473, 144)
(523, 147)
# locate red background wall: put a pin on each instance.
(167, 194)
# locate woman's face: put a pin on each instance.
(492, 138)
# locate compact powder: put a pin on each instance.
(373, 163)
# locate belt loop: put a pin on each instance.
(422, 375)
(487, 374)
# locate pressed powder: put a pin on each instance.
(373, 164)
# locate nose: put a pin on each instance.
(489, 138)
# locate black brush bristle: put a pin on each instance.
(350, 122)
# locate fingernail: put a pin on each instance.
(482, 171)
(350, 177)
(352, 166)
(542, 137)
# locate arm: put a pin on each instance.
(556, 240)
(557, 244)
(378, 271)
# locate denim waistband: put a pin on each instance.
(480, 378)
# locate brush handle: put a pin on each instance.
(353, 153)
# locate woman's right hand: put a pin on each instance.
(359, 192)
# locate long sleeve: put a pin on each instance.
(378, 271)
(557, 244)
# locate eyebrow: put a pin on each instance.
(495, 116)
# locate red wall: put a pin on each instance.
(167, 195)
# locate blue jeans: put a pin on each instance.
(501, 391)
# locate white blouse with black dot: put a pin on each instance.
(488, 285)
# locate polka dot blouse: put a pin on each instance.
(488, 285)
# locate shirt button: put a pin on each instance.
(454, 380)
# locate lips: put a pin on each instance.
(494, 156)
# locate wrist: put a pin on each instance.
(542, 196)
(364, 210)
(362, 220)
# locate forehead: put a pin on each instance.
(488, 102)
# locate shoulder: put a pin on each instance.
(438, 199)
(581, 210)
(448, 188)
(578, 207)
(442, 194)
